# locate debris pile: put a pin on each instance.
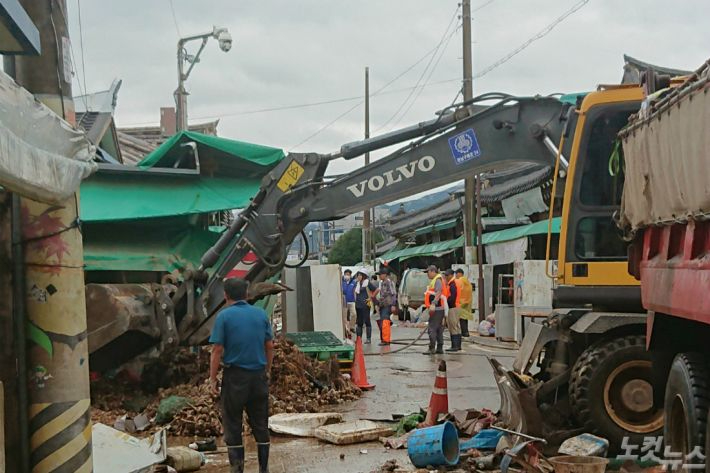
(298, 384)
(201, 415)
(302, 384)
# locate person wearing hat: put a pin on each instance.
(386, 300)
(348, 289)
(452, 318)
(465, 291)
(435, 301)
(363, 289)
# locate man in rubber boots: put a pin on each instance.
(465, 293)
(434, 300)
(452, 319)
(242, 339)
(387, 298)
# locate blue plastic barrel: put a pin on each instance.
(438, 445)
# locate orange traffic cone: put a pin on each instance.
(359, 373)
(439, 397)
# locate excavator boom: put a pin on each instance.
(490, 131)
(465, 141)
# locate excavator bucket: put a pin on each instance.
(518, 402)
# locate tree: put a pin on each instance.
(347, 250)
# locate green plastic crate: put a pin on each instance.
(321, 345)
(314, 339)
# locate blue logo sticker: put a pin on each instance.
(464, 146)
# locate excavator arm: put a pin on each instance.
(459, 143)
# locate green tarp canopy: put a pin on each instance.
(230, 173)
(157, 246)
(537, 228)
(451, 223)
(153, 218)
(431, 249)
(110, 197)
(217, 156)
(444, 247)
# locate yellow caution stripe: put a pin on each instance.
(60, 437)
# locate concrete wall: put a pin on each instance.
(533, 292)
(315, 304)
(327, 299)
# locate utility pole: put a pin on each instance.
(467, 95)
(366, 230)
(472, 181)
(479, 253)
(58, 357)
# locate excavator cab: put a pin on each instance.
(592, 255)
(587, 366)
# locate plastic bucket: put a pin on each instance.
(578, 464)
(438, 445)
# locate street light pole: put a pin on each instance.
(225, 43)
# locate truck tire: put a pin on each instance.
(611, 394)
(686, 404)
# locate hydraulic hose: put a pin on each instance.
(400, 348)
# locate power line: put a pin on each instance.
(73, 61)
(300, 105)
(81, 45)
(328, 125)
(482, 6)
(426, 82)
(540, 34)
(172, 10)
(426, 68)
(377, 92)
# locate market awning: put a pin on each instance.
(537, 228)
(216, 156)
(138, 195)
(444, 247)
(432, 249)
(451, 223)
(156, 247)
(42, 156)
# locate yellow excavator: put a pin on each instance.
(584, 369)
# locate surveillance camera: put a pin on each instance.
(224, 38)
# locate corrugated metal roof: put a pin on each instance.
(154, 136)
(133, 149)
(444, 247)
(446, 224)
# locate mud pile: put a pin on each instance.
(302, 384)
(298, 384)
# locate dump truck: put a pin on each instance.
(573, 372)
(665, 215)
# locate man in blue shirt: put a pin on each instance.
(242, 339)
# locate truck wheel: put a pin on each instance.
(611, 393)
(687, 401)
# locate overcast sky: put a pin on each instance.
(296, 52)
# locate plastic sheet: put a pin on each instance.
(667, 154)
(41, 156)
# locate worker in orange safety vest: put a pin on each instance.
(435, 302)
(452, 317)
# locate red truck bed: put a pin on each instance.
(675, 270)
(666, 201)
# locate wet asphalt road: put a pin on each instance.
(404, 381)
